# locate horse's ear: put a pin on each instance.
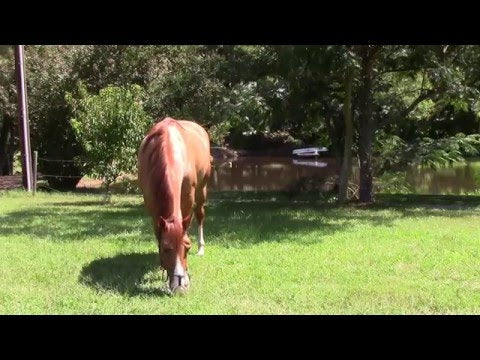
(186, 222)
(162, 223)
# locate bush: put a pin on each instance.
(110, 126)
(394, 183)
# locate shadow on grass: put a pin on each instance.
(441, 202)
(80, 203)
(100, 202)
(232, 219)
(318, 200)
(126, 274)
(60, 223)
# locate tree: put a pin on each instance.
(222, 87)
(8, 112)
(346, 166)
(52, 71)
(425, 100)
(49, 75)
(399, 95)
(366, 121)
(110, 126)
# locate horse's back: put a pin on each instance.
(197, 143)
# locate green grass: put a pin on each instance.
(265, 254)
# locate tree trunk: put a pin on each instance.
(107, 195)
(347, 150)
(366, 124)
(335, 132)
(6, 157)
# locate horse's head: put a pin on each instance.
(174, 245)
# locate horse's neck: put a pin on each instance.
(162, 162)
(174, 172)
(171, 203)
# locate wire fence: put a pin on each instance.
(58, 176)
(18, 181)
(128, 188)
(61, 176)
(55, 160)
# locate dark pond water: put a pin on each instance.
(284, 173)
(268, 173)
(456, 180)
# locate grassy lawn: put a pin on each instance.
(265, 254)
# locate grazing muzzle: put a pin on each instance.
(178, 284)
(174, 247)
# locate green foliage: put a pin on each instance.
(7, 84)
(394, 154)
(214, 86)
(394, 183)
(391, 152)
(398, 90)
(443, 152)
(218, 132)
(50, 74)
(110, 126)
(422, 95)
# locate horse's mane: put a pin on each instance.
(157, 162)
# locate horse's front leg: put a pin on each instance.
(200, 198)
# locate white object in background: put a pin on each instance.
(318, 164)
(314, 151)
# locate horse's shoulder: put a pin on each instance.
(193, 127)
(190, 130)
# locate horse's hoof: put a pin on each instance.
(201, 252)
(180, 290)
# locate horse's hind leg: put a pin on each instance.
(200, 198)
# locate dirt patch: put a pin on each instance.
(125, 184)
(10, 182)
(87, 183)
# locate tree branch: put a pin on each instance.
(405, 70)
(427, 95)
(404, 113)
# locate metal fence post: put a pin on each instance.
(35, 163)
(23, 125)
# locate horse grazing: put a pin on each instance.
(173, 171)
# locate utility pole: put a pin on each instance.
(23, 124)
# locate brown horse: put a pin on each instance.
(173, 170)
